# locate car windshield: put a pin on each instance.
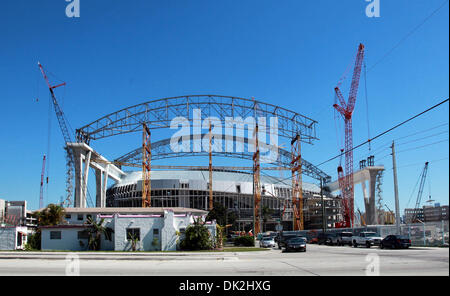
(402, 237)
(370, 234)
(267, 239)
(297, 240)
(346, 234)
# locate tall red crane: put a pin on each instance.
(41, 195)
(346, 110)
(70, 159)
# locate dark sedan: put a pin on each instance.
(395, 242)
(296, 244)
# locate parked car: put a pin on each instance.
(345, 238)
(367, 239)
(395, 242)
(296, 244)
(327, 239)
(267, 242)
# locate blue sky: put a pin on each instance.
(289, 53)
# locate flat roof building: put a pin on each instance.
(155, 229)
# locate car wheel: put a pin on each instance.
(381, 246)
(355, 245)
(367, 245)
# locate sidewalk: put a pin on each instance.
(161, 256)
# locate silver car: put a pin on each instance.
(267, 242)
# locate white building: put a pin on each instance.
(156, 229)
(13, 237)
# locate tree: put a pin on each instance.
(219, 235)
(51, 215)
(221, 214)
(95, 230)
(266, 215)
(196, 237)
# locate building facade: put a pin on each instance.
(13, 237)
(234, 190)
(154, 229)
(435, 213)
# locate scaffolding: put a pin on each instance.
(297, 195)
(146, 166)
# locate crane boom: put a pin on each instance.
(70, 160)
(41, 194)
(423, 176)
(346, 110)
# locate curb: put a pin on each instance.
(158, 258)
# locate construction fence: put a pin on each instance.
(428, 234)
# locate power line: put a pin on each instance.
(380, 134)
(408, 35)
(421, 139)
(387, 131)
(423, 146)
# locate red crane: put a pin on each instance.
(346, 110)
(41, 195)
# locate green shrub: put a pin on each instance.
(246, 241)
(196, 237)
(33, 242)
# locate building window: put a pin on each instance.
(133, 233)
(80, 218)
(238, 188)
(83, 234)
(68, 217)
(156, 231)
(55, 234)
(88, 216)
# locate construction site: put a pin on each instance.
(244, 190)
(248, 138)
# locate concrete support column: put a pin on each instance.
(87, 162)
(78, 179)
(83, 154)
(98, 187)
(104, 186)
(372, 197)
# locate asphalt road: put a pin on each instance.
(317, 261)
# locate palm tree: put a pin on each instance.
(220, 231)
(51, 215)
(267, 214)
(96, 230)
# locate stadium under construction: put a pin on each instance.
(212, 127)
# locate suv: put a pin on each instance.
(327, 239)
(345, 238)
(284, 236)
(367, 239)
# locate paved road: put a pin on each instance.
(318, 260)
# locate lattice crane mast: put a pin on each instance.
(346, 110)
(41, 193)
(70, 160)
(423, 177)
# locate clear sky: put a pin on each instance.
(289, 53)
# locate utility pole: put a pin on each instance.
(324, 223)
(397, 208)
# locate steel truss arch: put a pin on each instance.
(158, 114)
(162, 150)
